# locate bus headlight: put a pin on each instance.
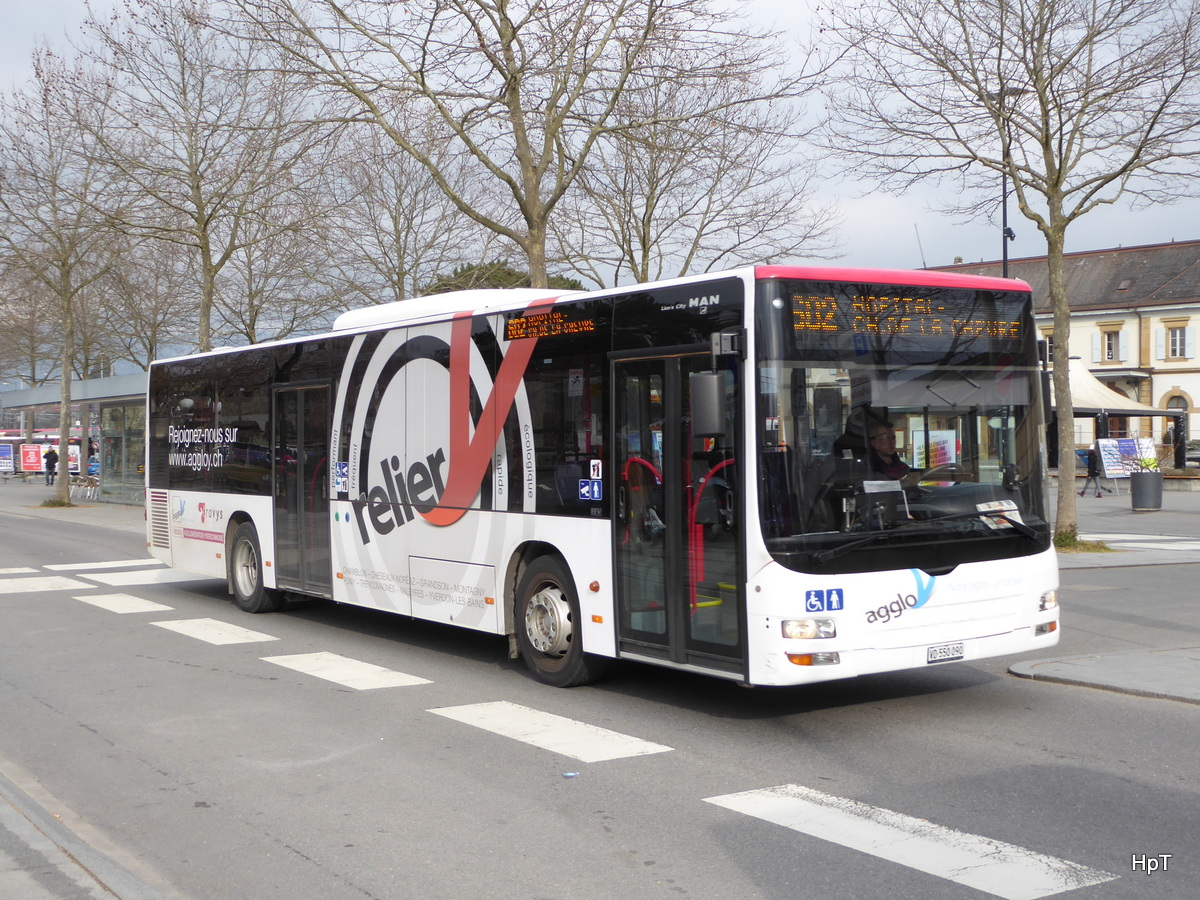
(1049, 601)
(808, 629)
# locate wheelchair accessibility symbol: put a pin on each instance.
(823, 601)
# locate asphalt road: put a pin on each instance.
(197, 769)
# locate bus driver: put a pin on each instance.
(883, 456)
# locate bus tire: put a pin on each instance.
(547, 624)
(246, 573)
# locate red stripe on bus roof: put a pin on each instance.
(891, 276)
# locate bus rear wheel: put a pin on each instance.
(547, 622)
(246, 573)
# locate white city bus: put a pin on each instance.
(677, 473)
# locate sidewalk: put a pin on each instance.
(43, 857)
(25, 498)
(1169, 536)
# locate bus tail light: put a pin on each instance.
(809, 629)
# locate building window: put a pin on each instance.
(1177, 347)
(1111, 344)
(1047, 338)
(1175, 340)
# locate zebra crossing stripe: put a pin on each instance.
(110, 564)
(995, 867)
(18, 571)
(215, 632)
(122, 603)
(38, 585)
(578, 740)
(143, 577)
(348, 672)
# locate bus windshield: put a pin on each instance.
(899, 426)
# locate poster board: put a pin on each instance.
(1111, 464)
(1116, 455)
(6, 459)
(31, 457)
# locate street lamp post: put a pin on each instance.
(1006, 233)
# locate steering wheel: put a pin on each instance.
(947, 472)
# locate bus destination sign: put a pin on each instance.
(552, 323)
(887, 315)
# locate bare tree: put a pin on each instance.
(688, 189)
(1075, 102)
(149, 301)
(526, 88)
(205, 129)
(52, 200)
(93, 357)
(29, 332)
(391, 228)
(275, 287)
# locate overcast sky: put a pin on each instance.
(878, 231)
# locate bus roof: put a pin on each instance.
(440, 304)
(434, 306)
(914, 277)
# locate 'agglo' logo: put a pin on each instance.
(923, 590)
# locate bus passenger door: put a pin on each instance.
(301, 489)
(677, 518)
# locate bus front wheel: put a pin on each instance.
(246, 573)
(547, 623)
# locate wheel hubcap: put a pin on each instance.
(246, 569)
(548, 621)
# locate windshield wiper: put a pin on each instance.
(824, 556)
(1017, 525)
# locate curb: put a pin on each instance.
(1137, 673)
(91, 872)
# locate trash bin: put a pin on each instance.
(1145, 490)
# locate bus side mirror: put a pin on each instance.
(708, 404)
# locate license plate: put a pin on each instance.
(945, 653)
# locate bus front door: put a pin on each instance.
(302, 556)
(677, 519)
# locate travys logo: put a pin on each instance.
(427, 416)
(918, 597)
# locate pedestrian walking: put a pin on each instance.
(50, 464)
(1093, 472)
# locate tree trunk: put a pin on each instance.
(207, 293)
(1066, 522)
(62, 486)
(535, 250)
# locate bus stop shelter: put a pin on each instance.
(108, 411)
